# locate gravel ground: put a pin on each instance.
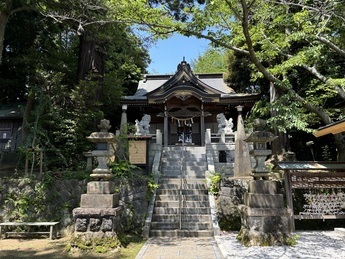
(310, 244)
(315, 244)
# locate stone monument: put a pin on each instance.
(242, 163)
(264, 219)
(99, 213)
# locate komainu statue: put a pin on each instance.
(224, 125)
(143, 126)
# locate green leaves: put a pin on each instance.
(212, 61)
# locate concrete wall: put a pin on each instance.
(223, 165)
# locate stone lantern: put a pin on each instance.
(99, 212)
(260, 138)
(102, 152)
(264, 218)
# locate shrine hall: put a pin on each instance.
(183, 105)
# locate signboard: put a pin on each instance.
(306, 165)
(316, 180)
(317, 177)
(138, 152)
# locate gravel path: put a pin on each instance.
(315, 244)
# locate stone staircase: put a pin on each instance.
(182, 211)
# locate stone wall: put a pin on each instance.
(30, 200)
(223, 165)
(134, 199)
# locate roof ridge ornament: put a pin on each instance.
(183, 65)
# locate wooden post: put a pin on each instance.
(202, 127)
(288, 191)
(166, 129)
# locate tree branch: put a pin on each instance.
(278, 83)
(331, 45)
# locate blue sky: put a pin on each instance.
(167, 54)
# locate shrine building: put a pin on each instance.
(183, 105)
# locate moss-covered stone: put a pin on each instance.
(96, 244)
(256, 238)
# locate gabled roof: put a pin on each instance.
(185, 77)
(208, 87)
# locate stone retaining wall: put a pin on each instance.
(29, 200)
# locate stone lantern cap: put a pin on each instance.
(260, 137)
(103, 135)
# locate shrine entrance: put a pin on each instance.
(185, 124)
(185, 133)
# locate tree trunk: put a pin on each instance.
(340, 143)
(3, 22)
(91, 62)
(26, 116)
(278, 145)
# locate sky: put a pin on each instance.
(167, 54)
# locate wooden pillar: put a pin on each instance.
(288, 191)
(166, 131)
(202, 126)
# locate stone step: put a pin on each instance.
(165, 180)
(173, 197)
(176, 210)
(185, 204)
(195, 212)
(189, 161)
(182, 173)
(189, 173)
(164, 225)
(186, 155)
(184, 225)
(184, 192)
(189, 167)
(184, 186)
(181, 233)
(185, 149)
(196, 154)
(175, 174)
(176, 217)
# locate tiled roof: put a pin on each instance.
(11, 111)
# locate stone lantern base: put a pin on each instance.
(264, 220)
(99, 213)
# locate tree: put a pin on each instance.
(287, 42)
(46, 65)
(211, 61)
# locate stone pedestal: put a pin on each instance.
(99, 212)
(97, 223)
(264, 220)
